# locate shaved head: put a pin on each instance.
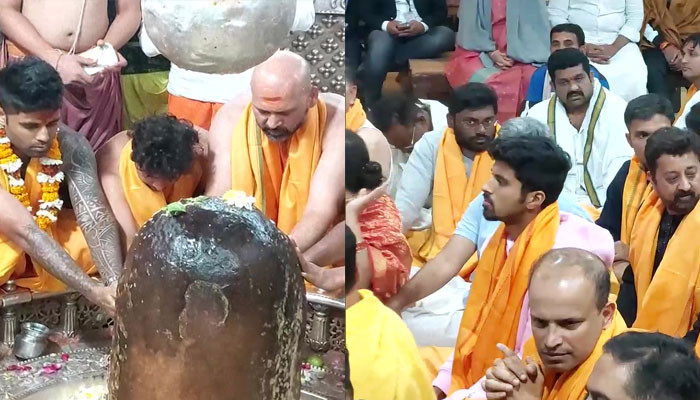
(561, 263)
(282, 94)
(569, 306)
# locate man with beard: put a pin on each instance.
(586, 120)
(528, 176)
(572, 319)
(284, 148)
(660, 290)
(452, 164)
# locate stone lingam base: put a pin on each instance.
(81, 374)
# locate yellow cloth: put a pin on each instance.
(572, 385)
(636, 189)
(13, 260)
(452, 193)
(281, 189)
(383, 357)
(142, 200)
(144, 95)
(670, 301)
(691, 92)
(434, 357)
(495, 302)
(355, 117)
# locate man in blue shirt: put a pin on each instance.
(562, 36)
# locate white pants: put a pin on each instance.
(626, 73)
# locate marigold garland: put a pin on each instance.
(50, 178)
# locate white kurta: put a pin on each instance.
(680, 123)
(603, 21)
(609, 149)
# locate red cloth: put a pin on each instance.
(389, 252)
(511, 85)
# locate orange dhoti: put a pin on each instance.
(200, 113)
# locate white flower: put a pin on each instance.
(239, 199)
(47, 214)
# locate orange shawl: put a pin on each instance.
(452, 192)
(669, 301)
(355, 117)
(142, 200)
(495, 302)
(691, 92)
(636, 189)
(675, 23)
(13, 260)
(281, 189)
(389, 253)
(572, 385)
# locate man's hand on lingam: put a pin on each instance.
(104, 296)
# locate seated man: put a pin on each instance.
(283, 148)
(572, 320)
(667, 26)
(159, 163)
(41, 246)
(92, 104)
(356, 121)
(435, 320)
(399, 31)
(691, 72)
(659, 291)
(384, 360)
(562, 36)
(490, 51)
(404, 120)
(528, 176)
(612, 29)
(644, 116)
(452, 164)
(642, 366)
(586, 120)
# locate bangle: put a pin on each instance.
(663, 45)
(361, 246)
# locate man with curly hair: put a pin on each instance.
(159, 162)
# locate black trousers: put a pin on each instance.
(659, 72)
(384, 51)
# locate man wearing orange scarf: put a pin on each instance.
(528, 176)
(643, 116)
(691, 71)
(356, 121)
(450, 167)
(48, 242)
(571, 318)
(660, 291)
(159, 163)
(285, 148)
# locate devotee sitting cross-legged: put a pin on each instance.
(53, 232)
(587, 121)
(572, 319)
(284, 148)
(528, 176)
(644, 366)
(659, 290)
(452, 165)
(160, 162)
(612, 29)
(562, 36)
(644, 116)
(435, 320)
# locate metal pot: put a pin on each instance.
(31, 341)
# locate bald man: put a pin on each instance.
(284, 147)
(571, 320)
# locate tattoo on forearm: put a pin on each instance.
(43, 249)
(90, 205)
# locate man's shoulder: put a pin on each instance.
(428, 144)
(539, 111)
(614, 101)
(579, 233)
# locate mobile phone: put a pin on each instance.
(405, 26)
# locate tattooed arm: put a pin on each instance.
(17, 225)
(90, 205)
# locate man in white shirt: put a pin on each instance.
(690, 65)
(401, 30)
(612, 29)
(587, 121)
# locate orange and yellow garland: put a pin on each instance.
(50, 178)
